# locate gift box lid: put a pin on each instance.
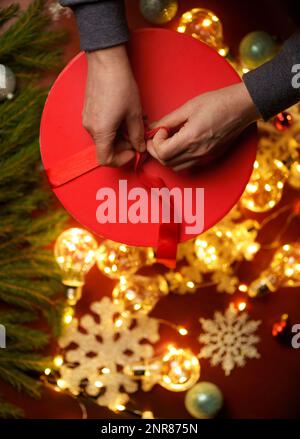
(170, 68)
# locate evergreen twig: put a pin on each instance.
(29, 281)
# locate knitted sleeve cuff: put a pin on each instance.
(101, 24)
(271, 85)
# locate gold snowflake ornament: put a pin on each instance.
(99, 345)
(229, 339)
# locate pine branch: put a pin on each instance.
(23, 361)
(24, 30)
(8, 13)
(29, 280)
(23, 39)
(8, 410)
(20, 381)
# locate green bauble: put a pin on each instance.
(256, 48)
(204, 400)
(158, 11)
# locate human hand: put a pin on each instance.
(112, 100)
(203, 126)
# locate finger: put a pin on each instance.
(186, 165)
(104, 147)
(135, 127)
(121, 158)
(152, 150)
(122, 145)
(172, 146)
(172, 120)
(185, 156)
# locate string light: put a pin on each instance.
(61, 384)
(68, 315)
(284, 270)
(182, 331)
(243, 288)
(58, 361)
(176, 370)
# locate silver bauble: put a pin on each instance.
(7, 82)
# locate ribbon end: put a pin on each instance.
(169, 263)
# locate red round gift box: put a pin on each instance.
(170, 68)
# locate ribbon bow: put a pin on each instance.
(85, 161)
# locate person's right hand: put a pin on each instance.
(112, 100)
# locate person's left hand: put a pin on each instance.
(203, 126)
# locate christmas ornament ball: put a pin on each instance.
(256, 48)
(204, 400)
(158, 11)
(7, 82)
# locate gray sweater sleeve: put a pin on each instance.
(270, 85)
(101, 23)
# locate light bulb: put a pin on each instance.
(265, 186)
(116, 260)
(203, 25)
(176, 370)
(215, 249)
(75, 253)
(294, 175)
(284, 271)
(139, 293)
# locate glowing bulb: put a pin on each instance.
(119, 323)
(265, 187)
(203, 25)
(206, 22)
(98, 384)
(282, 272)
(182, 331)
(61, 383)
(243, 288)
(75, 253)
(58, 361)
(176, 370)
(117, 260)
(68, 315)
(241, 306)
(139, 293)
(47, 371)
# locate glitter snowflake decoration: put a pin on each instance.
(99, 345)
(229, 339)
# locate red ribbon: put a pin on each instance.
(85, 161)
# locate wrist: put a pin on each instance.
(110, 57)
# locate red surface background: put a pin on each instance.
(264, 388)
